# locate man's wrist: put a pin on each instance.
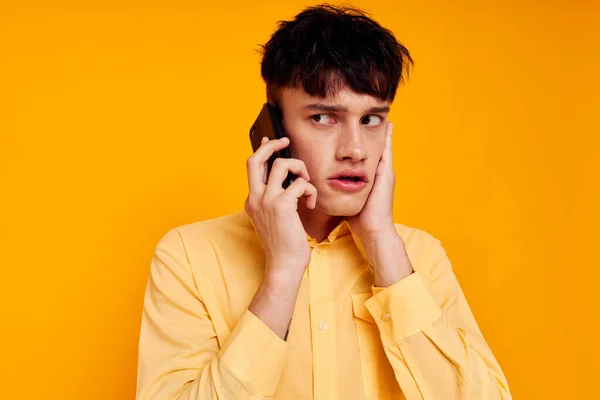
(274, 302)
(282, 283)
(387, 255)
(283, 275)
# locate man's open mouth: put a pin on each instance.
(350, 178)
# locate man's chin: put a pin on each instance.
(346, 208)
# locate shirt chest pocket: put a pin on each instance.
(378, 376)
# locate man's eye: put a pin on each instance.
(323, 119)
(372, 120)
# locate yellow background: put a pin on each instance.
(122, 119)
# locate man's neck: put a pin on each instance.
(317, 224)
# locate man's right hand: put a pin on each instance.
(274, 211)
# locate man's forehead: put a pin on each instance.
(345, 97)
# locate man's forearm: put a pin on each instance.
(274, 302)
(387, 255)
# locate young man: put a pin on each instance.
(313, 292)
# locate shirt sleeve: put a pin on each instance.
(179, 354)
(431, 338)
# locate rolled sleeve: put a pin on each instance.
(403, 309)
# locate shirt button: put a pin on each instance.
(385, 317)
(323, 325)
(320, 248)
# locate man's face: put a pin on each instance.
(340, 135)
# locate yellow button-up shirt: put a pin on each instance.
(416, 339)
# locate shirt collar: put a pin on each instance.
(342, 229)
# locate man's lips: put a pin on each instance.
(349, 180)
(355, 175)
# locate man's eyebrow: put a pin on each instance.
(326, 107)
(382, 109)
(338, 108)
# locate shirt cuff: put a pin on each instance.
(402, 309)
(254, 354)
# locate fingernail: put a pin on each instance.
(283, 139)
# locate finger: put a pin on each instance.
(301, 187)
(282, 165)
(279, 171)
(257, 163)
(385, 162)
(386, 156)
(268, 147)
(265, 166)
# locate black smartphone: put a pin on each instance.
(269, 123)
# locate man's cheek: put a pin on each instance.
(370, 189)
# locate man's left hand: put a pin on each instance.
(374, 225)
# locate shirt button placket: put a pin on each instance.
(321, 316)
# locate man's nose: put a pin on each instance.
(351, 145)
